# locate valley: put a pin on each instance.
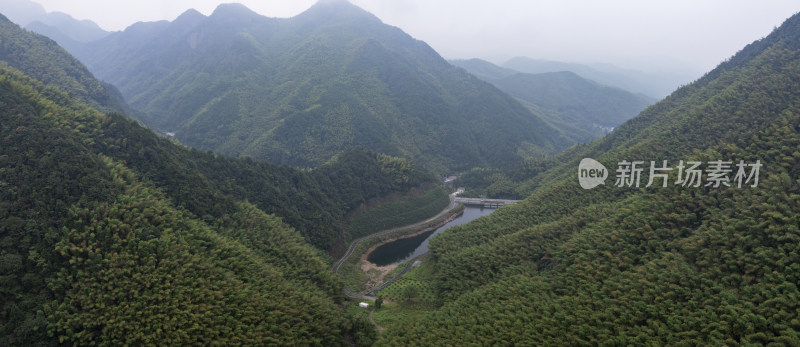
(362, 273)
(229, 178)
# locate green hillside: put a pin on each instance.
(94, 252)
(114, 235)
(581, 109)
(300, 90)
(675, 265)
(315, 202)
(42, 58)
(656, 82)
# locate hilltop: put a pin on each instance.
(299, 90)
(581, 109)
(114, 234)
(630, 265)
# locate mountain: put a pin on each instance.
(320, 199)
(299, 90)
(483, 69)
(653, 84)
(582, 109)
(22, 12)
(65, 30)
(43, 59)
(59, 26)
(95, 252)
(626, 264)
(113, 234)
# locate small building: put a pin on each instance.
(363, 305)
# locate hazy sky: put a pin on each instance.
(633, 33)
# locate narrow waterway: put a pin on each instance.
(401, 250)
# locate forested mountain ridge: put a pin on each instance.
(115, 235)
(300, 90)
(660, 265)
(655, 83)
(315, 202)
(94, 252)
(112, 234)
(582, 109)
(58, 26)
(43, 59)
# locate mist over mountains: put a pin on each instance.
(629, 265)
(59, 26)
(300, 90)
(126, 223)
(112, 233)
(316, 84)
(581, 109)
(652, 84)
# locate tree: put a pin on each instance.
(410, 292)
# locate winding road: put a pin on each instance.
(411, 262)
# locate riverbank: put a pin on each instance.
(375, 273)
(352, 274)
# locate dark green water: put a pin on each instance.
(403, 249)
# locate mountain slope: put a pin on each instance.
(300, 90)
(208, 185)
(96, 253)
(582, 109)
(60, 27)
(660, 265)
(115, 235)
(42, 58)
(653, 84)
(65, 30)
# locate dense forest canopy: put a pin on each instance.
(112, 234)
(668, 265)
(95, 252)
(302, 89)
(42, 58)
(313, 201)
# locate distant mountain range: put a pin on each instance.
(652, 84)
(300, 90)
(326, 195)
(43, 59)
(581, 109)
(59, 26)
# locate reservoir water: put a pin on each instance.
(404, 249)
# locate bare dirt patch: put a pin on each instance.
(375, 273)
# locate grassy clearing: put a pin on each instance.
(352, 276)
(396, 270)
